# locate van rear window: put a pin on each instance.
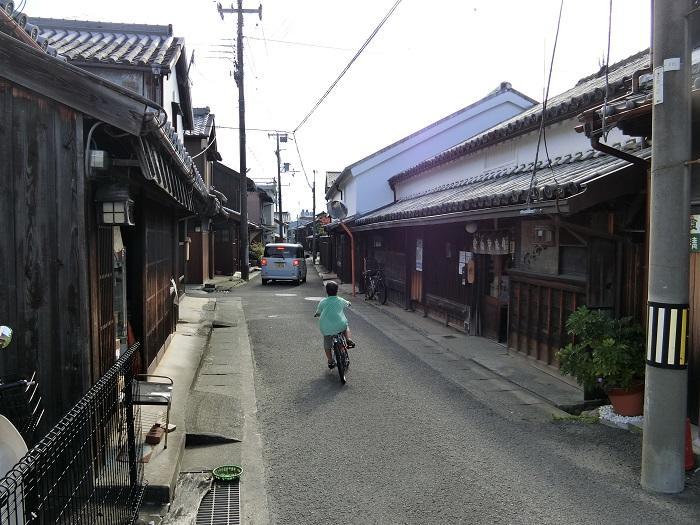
(281, 252)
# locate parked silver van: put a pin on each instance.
(283, 262)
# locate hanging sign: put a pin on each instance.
(493, 243)
(464, 258)
(695, 233)
(471, 271)
(419, 255)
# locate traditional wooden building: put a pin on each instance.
(95, 183)
(632, 114)
(200, 142)
(226, 184)
(507, 233)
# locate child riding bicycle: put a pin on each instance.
(332, 320)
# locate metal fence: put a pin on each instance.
(87, 469)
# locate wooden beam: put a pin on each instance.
(35, 70)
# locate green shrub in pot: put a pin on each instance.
(603, 351)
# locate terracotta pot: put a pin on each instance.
(627, 401)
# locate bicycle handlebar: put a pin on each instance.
(13, 384)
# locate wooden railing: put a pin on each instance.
(539, 308)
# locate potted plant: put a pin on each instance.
(609, 353)
(256, 252)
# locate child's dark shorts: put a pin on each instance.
(328, 341)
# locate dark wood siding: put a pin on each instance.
(43, 261)
(160, 240)
(105, 300)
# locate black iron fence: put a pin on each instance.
(87, 469)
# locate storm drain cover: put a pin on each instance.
(221, 505)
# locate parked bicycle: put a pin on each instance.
(340, 351)
(375, 285)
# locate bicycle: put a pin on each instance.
(375, 285)
(342, 360)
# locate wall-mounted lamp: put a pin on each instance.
(114, 206)
(471, 227)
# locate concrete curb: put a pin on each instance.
(180, 362)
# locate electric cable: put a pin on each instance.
(607, 70)
(352, 60)
(301, 161)
(305, 44)
(205, 149)
(544, 106)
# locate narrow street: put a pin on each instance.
(401, 443)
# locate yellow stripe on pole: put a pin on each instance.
(684, 326)
(650, 356)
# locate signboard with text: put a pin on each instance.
(695, 233)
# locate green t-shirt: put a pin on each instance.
(332, 319)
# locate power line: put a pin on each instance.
(301, 161)
(255, 129)
(607, 70)
(304, 44)
(544, 105)
(342, 73)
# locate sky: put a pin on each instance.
(429, 60)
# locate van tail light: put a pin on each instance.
(296, 262)
(263, 262)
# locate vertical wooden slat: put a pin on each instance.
(72, 274)
(158, 263)
(105, 269)
(8, 291)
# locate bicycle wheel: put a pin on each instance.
(369, 289)
(382, 292)
(340, 363)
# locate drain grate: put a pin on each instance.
(221, 505)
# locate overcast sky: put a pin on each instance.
(430, 59)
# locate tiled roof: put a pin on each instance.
(203, 121)
(508, 186)
(588, 92)
(103, 42)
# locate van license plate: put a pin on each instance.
(279, 265)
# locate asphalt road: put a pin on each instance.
(400, 443)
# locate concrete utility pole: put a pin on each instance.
(313, 221)
(667, 328)
(238, 76)
(277, 136)
(279, 187)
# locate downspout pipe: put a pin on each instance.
(352, 254)
(609, 150)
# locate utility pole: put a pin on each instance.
(313, 221)
(667, 328)
(279, 177)
(238, 76)
(279, 187)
